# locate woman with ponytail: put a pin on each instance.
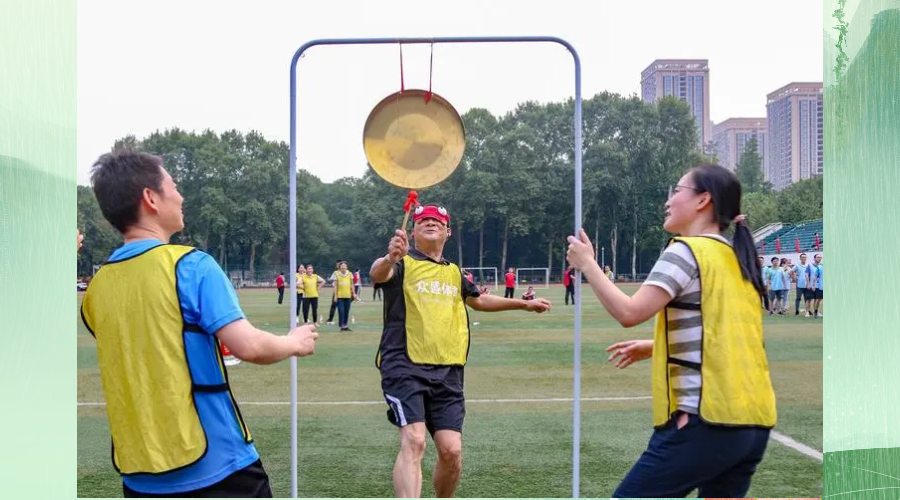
(713, 404)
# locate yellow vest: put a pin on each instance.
(344, 285)
(311, 286)
(299, 279)
(132, 309)
(736, 389)
(437, 325)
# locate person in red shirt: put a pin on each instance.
(357, 285)
(510, 284)
(279, 283)
(569, 282)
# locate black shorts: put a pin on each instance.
(413, 398)
(249, 482)
(818, 295)
(809, 294)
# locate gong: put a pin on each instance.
(414, 139)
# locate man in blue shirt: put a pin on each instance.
(775, 280)
(158, 313)
(816, 272)
(801, 272)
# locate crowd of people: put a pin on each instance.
(781, 275)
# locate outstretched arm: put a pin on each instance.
(628, 311)
(257, 346)
(492, 303)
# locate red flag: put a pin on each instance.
(797, 244)
(817, 241)
(777, 245)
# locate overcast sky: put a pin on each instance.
(151, 65)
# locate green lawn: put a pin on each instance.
(511, 449)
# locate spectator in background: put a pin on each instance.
(510, 284)
(299, 275)
(312, 282)
(801, 276)
(764, 269)
(279, 284)
(817, 272)
(569, 283)
(331, 279)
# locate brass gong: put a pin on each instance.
(412, 143)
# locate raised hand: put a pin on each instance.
(581, 252)
(398, 246)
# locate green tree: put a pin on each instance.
(760, 209)
(749, 170)
(800, 201)
(100, 238)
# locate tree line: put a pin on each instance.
(511, 199)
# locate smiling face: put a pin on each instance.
(430, 231)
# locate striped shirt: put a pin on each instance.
(677, 273)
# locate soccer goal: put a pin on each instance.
(537, 277)
(484, 276)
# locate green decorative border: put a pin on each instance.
(862, 346)
(37, 254)
(37, 189)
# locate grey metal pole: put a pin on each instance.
(292, 241)
(578, 219)
(576, 411)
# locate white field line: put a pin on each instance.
(802, 448)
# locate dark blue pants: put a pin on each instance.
(718, 460)
(343, 307)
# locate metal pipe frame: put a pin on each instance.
(576, 438)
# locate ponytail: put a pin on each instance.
(745, 250)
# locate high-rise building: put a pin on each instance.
(731, 136)
(687, 79)
(794, 133)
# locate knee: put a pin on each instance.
(450, 452)
(412, 441)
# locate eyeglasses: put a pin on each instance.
(673, 190)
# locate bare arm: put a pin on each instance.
(492, 303)
(257, 346)
(628, 311)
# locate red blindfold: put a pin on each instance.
(431, 211)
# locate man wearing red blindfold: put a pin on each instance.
(424, 347)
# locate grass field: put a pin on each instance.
(511, 448)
